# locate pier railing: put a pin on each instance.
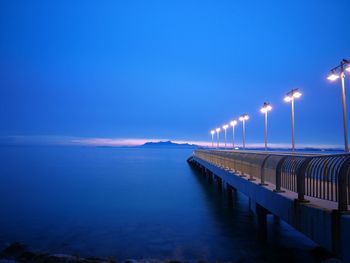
(321, 176)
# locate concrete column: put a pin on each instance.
(261, 219)
(234, 194)
(229, 194)
(206, 174)
(210, 177)
(219, 183)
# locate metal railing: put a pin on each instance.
(321, 176)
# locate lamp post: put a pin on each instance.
(290, 97)
(243, 118)
(265, 109)
(233, 124)
(217, 137)
(225, 128)
(212, 132)
(344, 65)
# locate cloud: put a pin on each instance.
(110, 141)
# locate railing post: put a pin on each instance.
(241, 174)
(225, 163)
(234, 165)
(251, 167)
(278, 175)
(343, 185)
(262, 171)
(251, 177)
(300, 173)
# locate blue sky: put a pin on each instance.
(170, 69)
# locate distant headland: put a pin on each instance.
(168, 144)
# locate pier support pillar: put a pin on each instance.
(210, 177)
(261, 218)
(230, 194)
(219, 183)
(206, 173)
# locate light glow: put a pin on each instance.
(233, 123)
(266, 107)
(333, 76)
(287, 99)
(297, 94)
(347, 68)
(225, 126)
(212, 132)
(293, 94)
(244, 117)
(218, 129)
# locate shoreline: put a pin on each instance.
(18, 252)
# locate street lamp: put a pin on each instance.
(212, 132)
(243, 118)
(293, 94)
(333, 75)
(225, 128)
(265, 109)
(217, 137)
(233, 124)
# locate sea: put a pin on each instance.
(131, 203)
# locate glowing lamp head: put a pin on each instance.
(218, 130)
(287, 98)
(346, 64)
(347, 68)
(212, 132)
(293, 94)
(244, 117)
(297, 94)
(333, 75)
(266, 107)
(233, 123)
(225, 126)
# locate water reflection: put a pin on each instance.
(128, 203)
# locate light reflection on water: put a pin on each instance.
(130, 203)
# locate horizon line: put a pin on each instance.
(125, 142)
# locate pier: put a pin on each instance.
(308, 191)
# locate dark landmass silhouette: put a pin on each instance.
(169, 144)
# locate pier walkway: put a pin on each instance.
(308, 191)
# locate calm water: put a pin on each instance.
(129, 203)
